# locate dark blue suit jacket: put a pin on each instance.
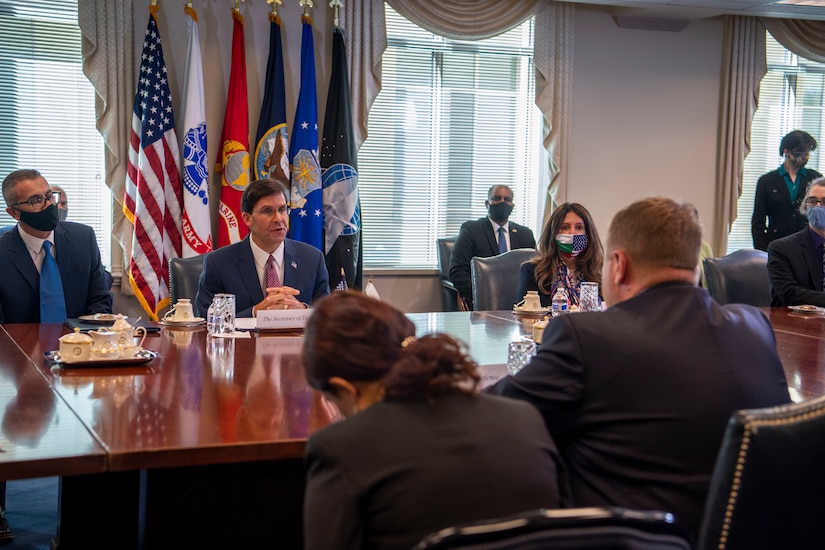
(795, 269)
(231, 269)
(637, 397)
(85, 287)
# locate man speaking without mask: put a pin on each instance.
(487, 237)
(49, 270)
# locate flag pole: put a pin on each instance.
(274, 13)
(306, 5)
(335, 4)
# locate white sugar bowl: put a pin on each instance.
(75, 346)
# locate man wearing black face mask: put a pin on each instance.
(779, 193)
(485, 237)
(33, 288)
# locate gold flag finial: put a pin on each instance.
(306, 4)
(237, 8)
(275, 4)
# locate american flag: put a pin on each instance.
(152, 200)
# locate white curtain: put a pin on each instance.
(108, 61)
(366, 32)
(743, 66)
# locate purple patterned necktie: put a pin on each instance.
(271, 273)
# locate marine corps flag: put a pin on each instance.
(233, 163)
(152, 199)
(272, 149)
(306, 216)
(342, 208)
(197, 230)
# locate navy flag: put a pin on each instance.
(339, 163)
(272, 139)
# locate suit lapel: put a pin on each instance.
(249, 277)
(812, 259)
(782, 188)
(291, 265)
(65, 249)
(22, 260)
(489, 234)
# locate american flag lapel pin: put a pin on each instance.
(294, 265)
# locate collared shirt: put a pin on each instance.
(35, 246)
(506, 227)
(793, 186)
(261, 256)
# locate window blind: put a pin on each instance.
(48, 117)
(452, 118)
(790, 98)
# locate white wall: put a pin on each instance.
(645, 107)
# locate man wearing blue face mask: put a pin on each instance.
(485, 237)
(779, 193)
(795, 262)
(48, 270)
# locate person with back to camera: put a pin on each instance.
(419, 449)
(638, 396)
(569, 253)
(779, 193)
(795, 262)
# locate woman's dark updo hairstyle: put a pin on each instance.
(358, 338)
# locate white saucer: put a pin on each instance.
(531, 312)
(193, 322)
(807, 309)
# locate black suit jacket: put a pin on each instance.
(400, 470)
(638, 397)
(476, 238)
(773, 201)
(85, 286)
(795, 269)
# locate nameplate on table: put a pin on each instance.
(282, 319)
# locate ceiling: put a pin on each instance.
(658, 13)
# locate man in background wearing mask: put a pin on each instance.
(62, 204)
(779, 192)
(487, 237)
(795, 262)
(80, 287)
(637, 397)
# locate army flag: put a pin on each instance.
(339, 165)
(305, 201)
(195, 226)
(152, 198)
(272, 149)
(233, 162)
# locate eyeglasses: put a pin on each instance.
(38, 202)
(269, 212)
(813, 201)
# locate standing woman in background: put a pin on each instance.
(569, 253)
(779, 193)
(420, 449)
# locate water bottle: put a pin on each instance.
(559, 301)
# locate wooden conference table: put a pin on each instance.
(203, 446)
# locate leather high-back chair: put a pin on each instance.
(568, 529)
(496, 279)
(739, 278)
(768, 484)
(184, 274)
(450, 300)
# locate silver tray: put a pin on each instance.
(140, 357)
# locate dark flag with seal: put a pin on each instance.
(272, 141)
(339, 177)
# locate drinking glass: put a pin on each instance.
(589, 297)
(519, 353)
(221, 316)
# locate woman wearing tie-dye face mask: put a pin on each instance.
(569, 253)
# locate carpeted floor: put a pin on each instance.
(31, 509)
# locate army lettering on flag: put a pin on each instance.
(233, 164)
(272, 149)
(152, 198)
(196, 228)
(342, 208)
(306, 216)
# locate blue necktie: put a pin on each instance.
(502, 241)
(52, 303)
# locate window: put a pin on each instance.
(452, 119)
(48, 118)
(790, 98)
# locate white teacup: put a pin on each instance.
(531, 301)
(181, 311)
